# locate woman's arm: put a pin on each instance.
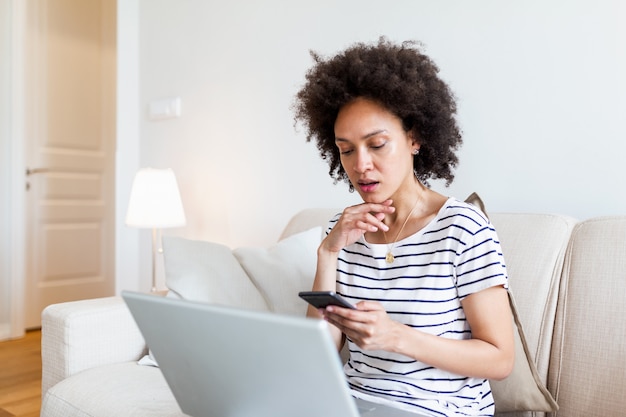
(353, 223)
(488, 354)
(325, 281)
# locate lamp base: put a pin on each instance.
(154, 255)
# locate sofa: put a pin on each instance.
(568, 287)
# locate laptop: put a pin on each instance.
(226, 362)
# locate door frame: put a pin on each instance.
(69, 152)
(128, 256)
(126, 241)
(16, 220)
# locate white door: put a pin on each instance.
(70, 129)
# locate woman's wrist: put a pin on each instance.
(324, 253)
(326, 273)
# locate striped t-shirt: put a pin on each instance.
(455, 255)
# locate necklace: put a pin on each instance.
(390, 258)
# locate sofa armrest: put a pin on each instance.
(85, 334)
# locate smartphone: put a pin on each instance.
(322, 299)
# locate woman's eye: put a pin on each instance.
(378, 145)
(345, 151)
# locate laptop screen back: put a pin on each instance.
(225, 362)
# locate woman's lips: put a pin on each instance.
(368, 186)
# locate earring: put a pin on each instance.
(416, 151)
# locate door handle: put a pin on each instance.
(36, 171)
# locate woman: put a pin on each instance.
(425, 271)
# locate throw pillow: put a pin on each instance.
(283, 270)
(208, 272)
(475, 200)
(523, 389)
(252, 278)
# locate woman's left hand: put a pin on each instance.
(489, 354)
(368, 326)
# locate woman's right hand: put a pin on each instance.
(354, 222)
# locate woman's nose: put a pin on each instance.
(363, 161)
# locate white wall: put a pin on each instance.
(540, 86)
(128, 273)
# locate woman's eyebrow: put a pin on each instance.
(366, 136)
(376, 132)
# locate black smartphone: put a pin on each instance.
(322, 299)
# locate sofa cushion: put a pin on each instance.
(283, 270)
(123, 389)
(589, 354)
(524, 389)
(534, 246)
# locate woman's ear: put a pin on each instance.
(414, 142)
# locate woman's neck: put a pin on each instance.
(406, 205)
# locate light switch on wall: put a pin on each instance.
(166, 108)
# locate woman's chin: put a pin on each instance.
(373, 199)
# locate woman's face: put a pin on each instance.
(376, 152)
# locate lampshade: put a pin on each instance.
(155, 200)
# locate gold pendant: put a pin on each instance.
(389, 258)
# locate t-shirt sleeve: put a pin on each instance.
(479, 263)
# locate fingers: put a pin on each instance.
(368, 216)
(369, 306)
(371, 225)
(355, 221)
(344, 318)
(366, 313)
(367, 328)
(387, 208)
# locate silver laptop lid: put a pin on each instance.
(225, 362)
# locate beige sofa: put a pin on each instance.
(568, 279)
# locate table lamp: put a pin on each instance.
(155, 204)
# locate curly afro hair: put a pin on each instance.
(400, 78)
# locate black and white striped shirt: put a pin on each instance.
(455, 255)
